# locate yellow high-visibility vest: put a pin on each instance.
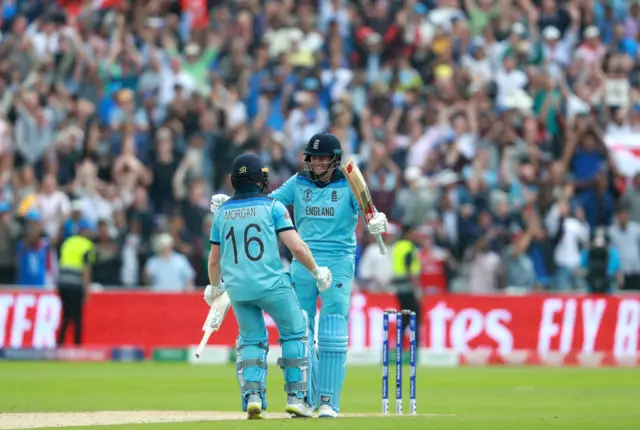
(76, 252)
(399, 254)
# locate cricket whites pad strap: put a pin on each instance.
(295, 363)
(251, 362)
(296, 386)
(257, 386)
(298, 363)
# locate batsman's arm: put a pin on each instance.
(287, 232)
(214, 253)
(285, 193)
(299, 249)
(214, 264)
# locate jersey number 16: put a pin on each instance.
(247, 241)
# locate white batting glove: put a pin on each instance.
(218, 311)
(217, 201)
(378, 224)
(323, 278)
(211, 293)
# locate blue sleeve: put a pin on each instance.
(614, 262)
(214, 238)
(584, 259)
(281, 217)
(285, 193)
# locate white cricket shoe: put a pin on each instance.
(254, 407)
(325, 411)
(298, 408)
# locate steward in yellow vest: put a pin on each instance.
(77, 255)
(406, 270)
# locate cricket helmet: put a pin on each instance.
(322, 145)
(249, 168)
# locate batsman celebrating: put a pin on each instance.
(326, 215)
(244, 242)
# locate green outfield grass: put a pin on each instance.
(481, 398)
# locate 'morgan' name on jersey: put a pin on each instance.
(319, 211)
(240, 213)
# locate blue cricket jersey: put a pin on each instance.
(326, 215)
(246, 228)
(33, 263)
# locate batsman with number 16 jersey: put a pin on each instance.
(245, 252)
(326, 216)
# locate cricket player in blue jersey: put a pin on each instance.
(244, 251)
(326, 215)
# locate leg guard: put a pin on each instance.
(295, 365)
(333, 342)
(251, 370)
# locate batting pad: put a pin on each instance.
(295, 364)
(251, 370)
(333, 342)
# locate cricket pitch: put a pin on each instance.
(104, 418)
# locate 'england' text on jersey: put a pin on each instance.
(241, 213)
(319, 211)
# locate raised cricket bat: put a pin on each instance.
(216, 315)
(361, 191)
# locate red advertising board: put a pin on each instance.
(461, 322)
(539, 323)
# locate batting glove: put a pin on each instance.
(218, 311)
(217, 201)
(211, 293)
(378, 224)
(323, 278)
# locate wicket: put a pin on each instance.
(412, 361)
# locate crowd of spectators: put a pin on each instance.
(498, 135)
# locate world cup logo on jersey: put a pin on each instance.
(307, 195)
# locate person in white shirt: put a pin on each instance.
(172, 76)
(336, 77)
(478, 65)
(484, 268)
(558, 51)
(308, 118)
(509, 79)
(53, 205)
(592, 51)
(375, 269)
(573, 232)
(168, 271)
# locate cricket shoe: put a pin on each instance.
(298, 408)
(325, 411)
(254, 407)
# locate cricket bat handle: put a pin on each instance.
(383, 249)
(203, 342)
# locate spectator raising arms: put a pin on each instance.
(504, 128)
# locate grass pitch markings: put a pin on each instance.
(104, 418)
